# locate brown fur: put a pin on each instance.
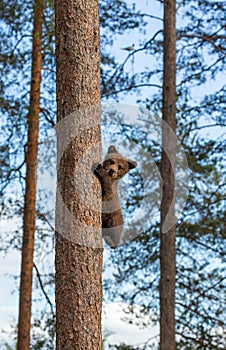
(114, 167)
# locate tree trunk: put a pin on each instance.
(24, 323)
(168, 227)
(78, 206)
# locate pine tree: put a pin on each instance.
(24, 323)
(168, 170)
(78, 223)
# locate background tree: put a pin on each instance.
(78, 246)
(29, 215)
(168, 168)
(15, 64)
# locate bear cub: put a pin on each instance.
(114, 167)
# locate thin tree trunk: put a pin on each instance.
(24, 323)
(168, 227)
(78, 207)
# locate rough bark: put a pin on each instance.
(168, 228)
(24, 323)
(78, 208)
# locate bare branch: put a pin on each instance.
(205, 38)
(151, 16)
(129, 88)
(42, 288)
(43, 217)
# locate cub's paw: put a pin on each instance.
(96, 167)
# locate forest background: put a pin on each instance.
(127, 76)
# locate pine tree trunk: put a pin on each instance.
(24, 323)
(168, 227)
(78, 206)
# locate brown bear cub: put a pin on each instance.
(114, 167)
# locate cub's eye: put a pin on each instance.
(112, 161)
(120, 167)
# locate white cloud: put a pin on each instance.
(123, 332)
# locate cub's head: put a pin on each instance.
(115, 165)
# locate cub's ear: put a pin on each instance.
(132, 164)
(112, 149)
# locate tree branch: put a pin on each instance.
(131, 54)
(129, 88)
(42, 288)
(205, 38)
